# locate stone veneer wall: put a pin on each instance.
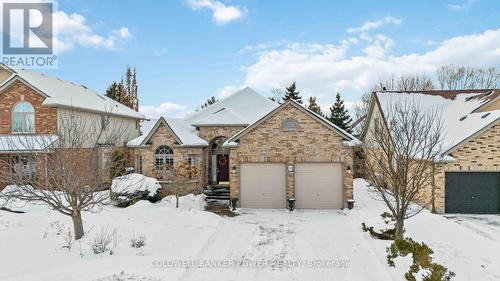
(479, 154)
(312, 142)
(209, 133)
(164, 136)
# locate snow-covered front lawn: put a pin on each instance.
(186, 244)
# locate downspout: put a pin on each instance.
(433, 186)
(46, 172)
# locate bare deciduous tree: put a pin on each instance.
(452, 77)
(278, 95)
(66, 171)
(401, 150)
(395, 83)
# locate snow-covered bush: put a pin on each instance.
(130, 188)
(137, 241)
(422, 261)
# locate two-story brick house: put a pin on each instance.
(35, 107)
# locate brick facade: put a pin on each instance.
(312, 142)
(45, 117)
(479, 154)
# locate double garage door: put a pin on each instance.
(317, 185)
(472, 192)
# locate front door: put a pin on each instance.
(222, 168)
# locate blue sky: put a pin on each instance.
(188, 50)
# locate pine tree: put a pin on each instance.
(125, 92)
(115, 91)
(291, 93)
(314, 107)
(339, 115)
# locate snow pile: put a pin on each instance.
(133, 183)
(188, 202)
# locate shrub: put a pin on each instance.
(422, 259)
(386, 234)
(102, 240)
(68, 240)
(118, 164)
(137, 242)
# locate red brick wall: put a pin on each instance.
(45, 117)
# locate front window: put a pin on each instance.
(24, 168)
(23, 118)
(192, 161)
(164, 159)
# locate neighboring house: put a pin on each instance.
(468, 180)
(34, 110)
(265, 152)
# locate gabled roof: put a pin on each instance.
(68, 94)
(460, 118)
(241, 108)
(351, 140)
(222, 117)
(185, 135)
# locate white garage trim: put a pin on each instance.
(263, 185)
(319, 185)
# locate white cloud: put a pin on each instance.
(226, 92)
(221, 13)
(461, 7)
(369, 25)
(323, 69)
(124, 33)
(165, 109)
(72, 30)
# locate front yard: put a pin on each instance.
(191, 244)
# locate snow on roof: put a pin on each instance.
(350, 139)
(245, 105)
(458, 118)
(25, 143)
(186, 133)
(69, 94)
(146, 127)
(240, 109)
(223, 116)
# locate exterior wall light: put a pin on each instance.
(233, 169)
(349, 169)
(290, 168)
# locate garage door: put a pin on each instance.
(263, 185)
(472, 192)
(318, 185)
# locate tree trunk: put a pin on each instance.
(77, 224)
(400, 225)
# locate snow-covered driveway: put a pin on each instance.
(282, 240)
(487, 226)
(191, 244)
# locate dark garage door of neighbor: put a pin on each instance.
(472, 192)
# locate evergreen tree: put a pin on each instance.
(125, 92)
(115, 91)
(339, 115)
(291, 93)
(313, 106)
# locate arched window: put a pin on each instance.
(23, 118)
(164, 158)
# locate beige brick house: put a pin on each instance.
(264, 152)
(35, 107)
(467, 179)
